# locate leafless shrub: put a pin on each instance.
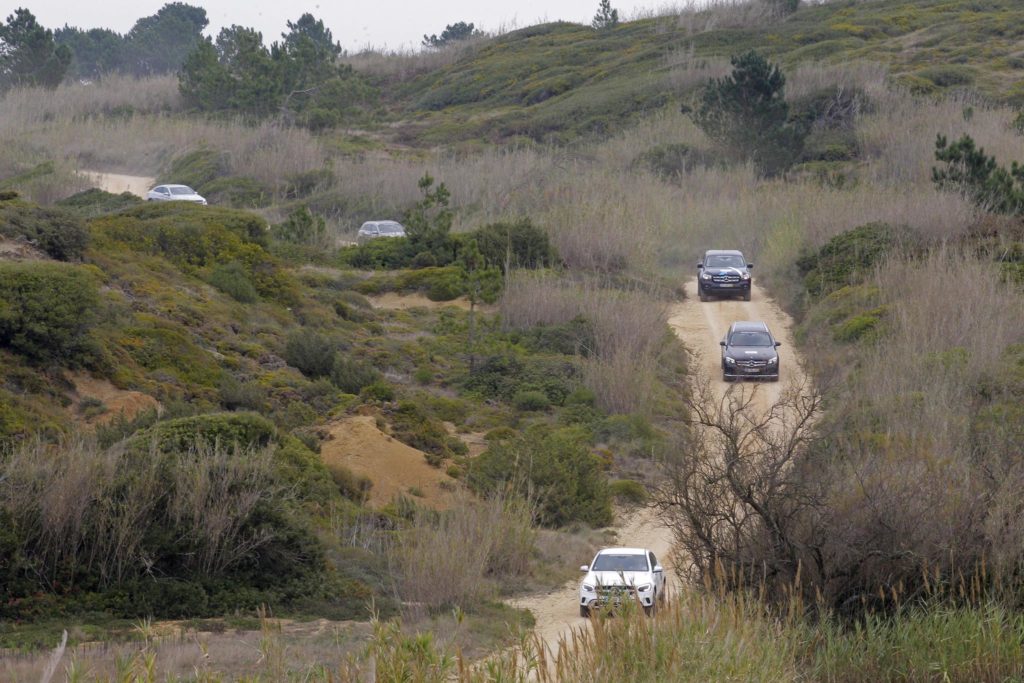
(403, 66)
(730, 491)
(868, 77)
(450, 558)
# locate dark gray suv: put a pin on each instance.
(749, 350)
(723, 272)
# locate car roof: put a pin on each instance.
(723, 252)
(173, 185)
(749, 325)
(622, 551)
(379, 223)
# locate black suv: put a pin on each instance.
(723, 272)
(749, 350)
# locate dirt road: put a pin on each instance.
(117, 183)
(701, 326)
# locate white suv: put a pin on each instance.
(619, 574)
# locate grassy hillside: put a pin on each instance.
(553, 82)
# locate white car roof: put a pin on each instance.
(622, 551)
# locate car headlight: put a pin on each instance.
(587, 588)
(773, 361)
(730, 361)
(705, 276)
(746, 276)
(644, 588)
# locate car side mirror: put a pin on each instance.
(658, 568)
(778, 344)
(721, 343)
(750, 265)
(700, 265)
(584, 568)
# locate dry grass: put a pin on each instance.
(629, 329)
(453, 558)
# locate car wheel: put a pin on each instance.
(725, 377)
(584, 611)
(746, 295)
(700, 293)
(661, 598)
(651, 609)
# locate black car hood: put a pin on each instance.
(751, 352)
(726, 271)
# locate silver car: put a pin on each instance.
(373, 229)
(174, 193)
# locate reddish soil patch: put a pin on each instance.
(358, 444)
(118, 402)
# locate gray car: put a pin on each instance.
(723, 272)
(174, 193)
(749, 350)
(371, 230)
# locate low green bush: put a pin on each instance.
(312, 353)
(628, 491)
(379, 391)
(233, 280)
(47, 311)
(672, 160)
(555, 466)
(531, 400)
(351, 375)
(95, 202)
(59, 233)
(414, 427)
(519, 244)
(846, 258)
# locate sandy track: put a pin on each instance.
(700, 325)
(118, 183)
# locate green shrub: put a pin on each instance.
(226, 430)
(235, 395)
(519, 244)
(573, 338)
(95, 202)
(233, 280)
(947, 75)
(628, 491)
(412, 426)
(59, 233)
(378, 391)
(312, 353)
(388, 254)
(47, 310)
(237, 191)
(531, 400)
(351, 375)
(554, 465)
(302, 227)
(846, 258)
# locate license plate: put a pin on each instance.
(751, 370)
(727, 284)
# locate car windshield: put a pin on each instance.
(724, 261)
(182, 189)
(391, 229)
(620, 563)
(750, 339)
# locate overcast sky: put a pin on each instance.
(391, 24)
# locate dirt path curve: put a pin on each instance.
(700, 325)
(116, 183)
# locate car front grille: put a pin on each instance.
(615, 591)
(729, 278)
(751, 363)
